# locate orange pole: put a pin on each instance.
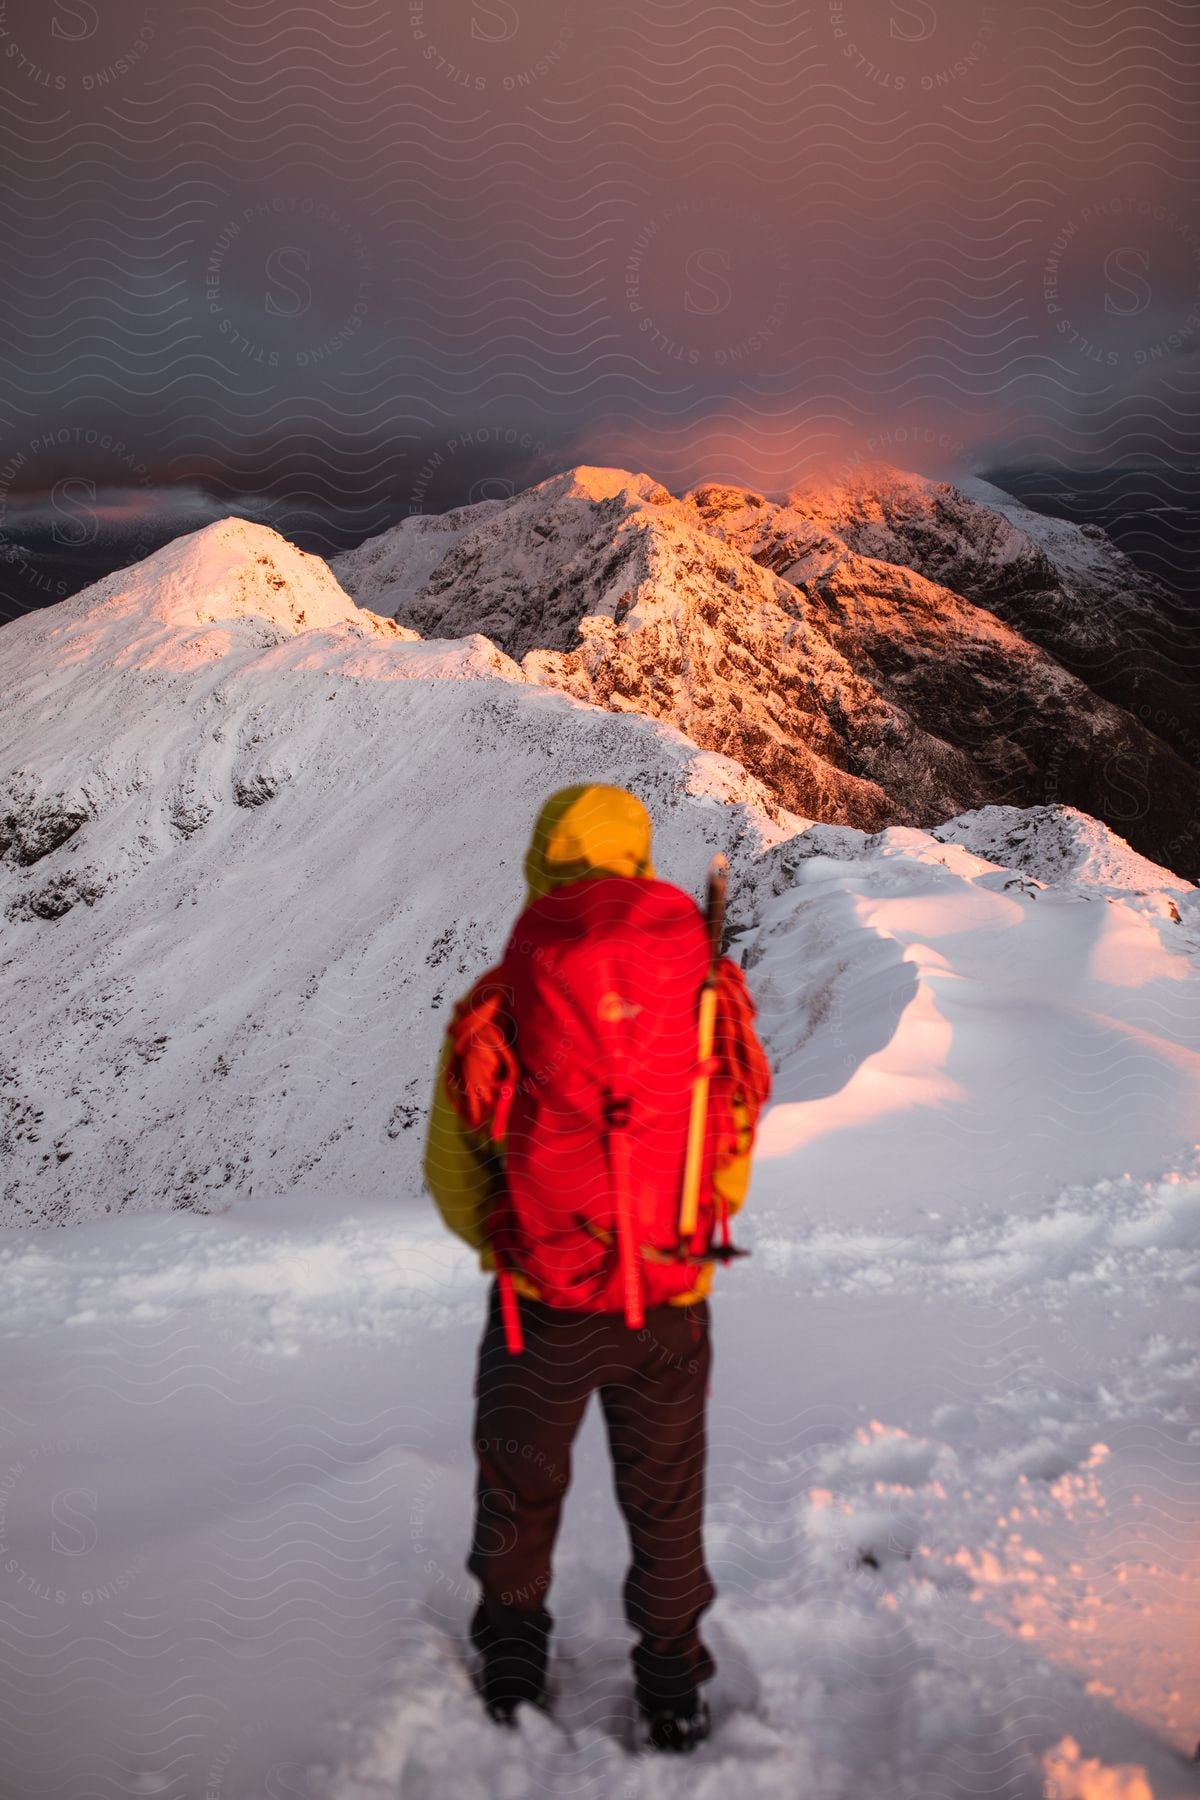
(706, 1030)
(706, 1026)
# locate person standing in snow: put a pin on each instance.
(558, 1147)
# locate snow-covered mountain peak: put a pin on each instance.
(734, 513)
(232, 585)
(586, 481)
(1089, 565)
(875, 489)
(713, 498)
(232, 569)
(913, 522)
(542, 527)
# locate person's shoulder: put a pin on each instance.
(605, 896)
(665, 898)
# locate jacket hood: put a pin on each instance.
(587, 830)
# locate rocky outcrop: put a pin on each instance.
(1063, 586)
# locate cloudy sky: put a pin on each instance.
(331, 263)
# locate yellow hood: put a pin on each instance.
(587, 830)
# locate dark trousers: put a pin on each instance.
(653, 1385)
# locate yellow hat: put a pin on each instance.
(587, 830)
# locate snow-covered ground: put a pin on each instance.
(955, 1469)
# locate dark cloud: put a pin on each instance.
(357, 257)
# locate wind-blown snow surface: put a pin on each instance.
(256, 841)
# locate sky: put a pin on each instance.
(329, 264)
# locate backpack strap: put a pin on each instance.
(509, 1310)
(481, 1070)
(500, 1240)
(481, 1081)
(741, 1066)
(616, 1123)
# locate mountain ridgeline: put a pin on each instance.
(878, 650)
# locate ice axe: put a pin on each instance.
(689, 1206)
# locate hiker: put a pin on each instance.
(558, 1148)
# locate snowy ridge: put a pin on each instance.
(1087, 562)
(1061, 845)
(303, 786)
(229, 570)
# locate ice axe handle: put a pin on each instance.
(718, 876)
(689, 1205)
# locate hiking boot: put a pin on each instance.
(514, 1648)
(503, 1710)
(677, 1728)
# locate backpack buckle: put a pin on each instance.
(617, 1108)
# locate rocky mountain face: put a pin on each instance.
(1063, 586)
(873, 662)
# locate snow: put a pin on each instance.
(1061, 844)
(396, 565)
(1084, 555)
(955, 1451)
(389, 572)
(881, 510)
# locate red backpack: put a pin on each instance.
(577, 1057)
